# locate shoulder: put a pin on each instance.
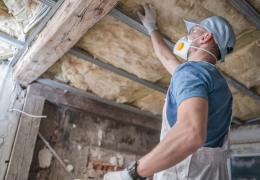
(190, 73)
(190, 70)
(194, 67)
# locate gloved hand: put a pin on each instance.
(118, 175)
(149, 19)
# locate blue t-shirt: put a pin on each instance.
(202, 79)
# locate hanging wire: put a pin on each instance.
(27, 114)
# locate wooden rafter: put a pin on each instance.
(70, 22)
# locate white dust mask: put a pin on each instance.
(183, 45)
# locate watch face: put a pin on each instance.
(132, 165)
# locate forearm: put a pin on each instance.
(176, 146)
(163, 52)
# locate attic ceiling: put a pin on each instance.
(114, 42)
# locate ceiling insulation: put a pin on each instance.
(256, 4)
(6, 51)
(171, 24)
(103, 83)
(17, 18)
(244, 64)
(172, 12)
(245, 107)
(8, 24)
(26, 12)
(152, 102)
(115, 43)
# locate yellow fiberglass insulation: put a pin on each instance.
(17, 18)
(244, 107)
(9, 26)
(152, 102)
(172, 12)
(116, 43)
(103, 83)
(244, 64)
(27, 12)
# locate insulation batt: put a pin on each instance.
(17, 18)
(8, 25)
(116, 43)
(105, 84)
(26, 12)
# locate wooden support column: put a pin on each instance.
(25, 140)
(71, 21)
(11, 96)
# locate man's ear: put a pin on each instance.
(207, 37)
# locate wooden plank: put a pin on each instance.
(59, 96)
(71, 21)
(23, 149)
(11, 96)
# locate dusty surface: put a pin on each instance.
(44, 157)
(89, 144)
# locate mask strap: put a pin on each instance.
(206, 51)
(192, 40)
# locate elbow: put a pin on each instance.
(197, 139)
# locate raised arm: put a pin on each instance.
(163, 52)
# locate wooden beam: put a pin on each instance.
(245, 140)
(59, 93)
(70, 22)
(11, 96)
(35, 32)
(25, 140)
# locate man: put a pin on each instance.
(198, 106)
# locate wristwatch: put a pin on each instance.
(132, 171)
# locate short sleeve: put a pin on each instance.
(187, 83)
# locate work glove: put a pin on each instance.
(149, 19)
(118, 175)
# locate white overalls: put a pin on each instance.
(204, 164)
